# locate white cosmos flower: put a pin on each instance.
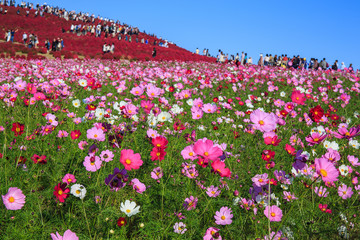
(99, 113)
(176, 109)
(282, 94)
(129, 208)
(83, 82)
(344, 170)
(164, 116)
(354, 143)
(152, 121)
(76, 103)
(190, 102)
(78, 190)
(135, 118)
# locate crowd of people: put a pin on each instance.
(295, 62)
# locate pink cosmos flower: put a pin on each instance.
(353, 160)
(107, 156)
(188, 153)
(137, 91)
(326, 169)
(68, 235)
(288, 196)
(206, 149)
(212, 234)
(213, 191)
(321, 191)
(69, 178)
(96, 134)
(62, 134)
(260, 180)
(190, 203)
(219, 167)
(197, 114)
(273, 213)
(344, 133)
(156, 173)
(209, 108)
(14, 199)
(130, 160)
(152, 91)
(151, 133)
(262, 121)
(345, 192)
(147, 106)
(130, 109)
(138, 186)
(82, 144)
(92, 163)
(224, 216)
(315, 138)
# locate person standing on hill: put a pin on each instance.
(197, 51)
(154, 53)
(335, 65)
(261, 61)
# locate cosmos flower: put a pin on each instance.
(224, 216)
(326, 170)
(180, 228)
(273, 213)
(129, 208)
(14, 199)
(78, 190)
(130, 160)
(68, 235)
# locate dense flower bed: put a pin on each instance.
(50, 27)
(171, 150)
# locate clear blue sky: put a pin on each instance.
(319, 28)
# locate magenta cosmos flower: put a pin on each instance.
(14, 199)
(130, 160)
(69, 178)
(206, 149)
(273, 213)
(224, 216)
(212, 234)
(68, 235)
(262, 121)
(326, 169)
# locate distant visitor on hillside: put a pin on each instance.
(154, 53)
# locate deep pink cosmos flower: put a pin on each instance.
(219, 167)
(326, 170)
(273, 213)
(130, 160)
(315, 138)
(353, 160)
(69, 178)
(262, 121)
(344, 133)
(68, 235)
(224, 216)
(14, 199)
(206, 149)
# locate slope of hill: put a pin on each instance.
(50, 26)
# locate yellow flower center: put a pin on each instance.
(261, 122)
(323, 173)
(222, 217)
(272, 214)
(190, 154)
(60, 192)
(11, 199)
(206, 154)
(128, 210)
(77, 191)
(128, 161)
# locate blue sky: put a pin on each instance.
(309, 28)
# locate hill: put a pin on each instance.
(77, 45)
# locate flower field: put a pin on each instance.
(100, 149)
